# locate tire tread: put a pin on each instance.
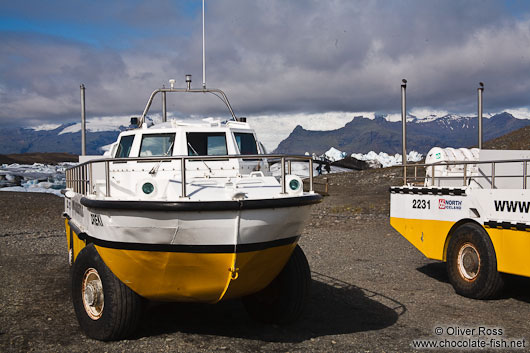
(293, 284)
(122, 306)
(490, 282)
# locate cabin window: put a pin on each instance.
(246, 143)
(206, 143)
(157, 145)
(124, 148)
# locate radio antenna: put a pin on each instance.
(203, 51)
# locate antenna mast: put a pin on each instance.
(83, 121)
(203, 51)
(404, 127)
(480, 92)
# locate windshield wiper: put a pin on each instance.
(193, 150)
(154, 170)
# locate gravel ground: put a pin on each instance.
(372, 291)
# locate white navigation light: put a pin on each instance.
(172, 83)
(294, 185)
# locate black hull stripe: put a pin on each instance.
(194, 206)
(195, 249)
(427, 191)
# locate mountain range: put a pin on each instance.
(362, 135)
(25, 140)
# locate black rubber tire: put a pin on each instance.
(488, 282)
(121, 309)
(285, 298)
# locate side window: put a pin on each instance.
(157, 145)
(124, 148)
(206, 143)
(246, 143)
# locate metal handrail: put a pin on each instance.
(465, 177)
(78, 177)
(186, 90)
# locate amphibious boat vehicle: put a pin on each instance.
(185, 212)
(469, 208)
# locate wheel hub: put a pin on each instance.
(468, 262)
(92, 292)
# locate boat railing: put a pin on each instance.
(485, 170)
(80, 178)
(217, 92)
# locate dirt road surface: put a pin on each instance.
(372, 291)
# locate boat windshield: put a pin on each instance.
(124, 148)
(157, 145)
(206, 143)
(246, 143)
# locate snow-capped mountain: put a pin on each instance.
(381, 134)
(350, 133)
(61, 138)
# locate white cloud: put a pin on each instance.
(46, 127)
(424, 112)
(519, 113)
(275, 58)
(393, 117)
(272, 129)
(104, 123)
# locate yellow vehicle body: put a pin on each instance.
(511, 246)
(189, 277)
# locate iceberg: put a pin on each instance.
(35, 177)
(387, 160)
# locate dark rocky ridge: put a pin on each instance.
(516, 140)
(45, 158)
(351, 163)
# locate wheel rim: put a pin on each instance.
(468, 262)
(92, 293)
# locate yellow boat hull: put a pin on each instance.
(190, 276)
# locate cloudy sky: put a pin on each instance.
(273, 58)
